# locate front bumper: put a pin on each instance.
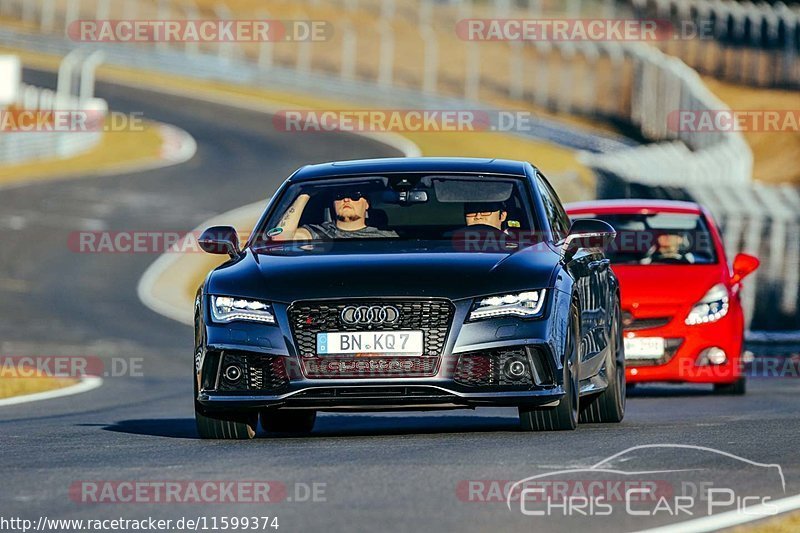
(277, 376)
(373, 396)
(685, 345)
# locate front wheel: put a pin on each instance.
(565, 415)
(240, 426)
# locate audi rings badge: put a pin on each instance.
(369, 314)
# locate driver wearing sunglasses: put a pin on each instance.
(350, 207)
(485, 214)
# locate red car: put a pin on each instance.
(681, 311)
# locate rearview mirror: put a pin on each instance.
(220, 240)
(587, 233)
(743, 266)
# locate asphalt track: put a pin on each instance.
(388, 471)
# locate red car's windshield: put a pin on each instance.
(659, 238)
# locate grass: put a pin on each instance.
(781, 524)
(17, 386)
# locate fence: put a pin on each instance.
(627, 81)
(741, 41)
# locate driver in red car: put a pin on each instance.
(670, 248)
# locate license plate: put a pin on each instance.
(405, 343)
(644, 348)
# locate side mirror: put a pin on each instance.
(743, 266)
(220, 240)
(587, 233)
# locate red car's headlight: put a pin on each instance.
(713, 306)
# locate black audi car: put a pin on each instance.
(424, 283)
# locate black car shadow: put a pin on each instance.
(331, 425)
(335, 425)
(176, 428)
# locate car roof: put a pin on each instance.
(633, 206)
(395, 165)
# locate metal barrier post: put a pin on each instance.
(386, 55)
(472, 77)
(88, 71)
(72, 13)
(191, 13)
(47, 21)
(65, 77)
(349, 51)
(516, 71)
(430, 81)
(266, 49)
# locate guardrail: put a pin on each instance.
(22, 146)
(626, 81)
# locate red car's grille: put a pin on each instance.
(630, 323)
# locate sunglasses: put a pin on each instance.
(352, 195)
(481, 213)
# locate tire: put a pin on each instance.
(288, 421)
(241, 426)
(565, 415)
(609, 406)
(737, 388)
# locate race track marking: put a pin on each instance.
(728, 519)
(86, 384)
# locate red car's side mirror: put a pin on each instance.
(743, 265)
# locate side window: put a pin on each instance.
(554, 211)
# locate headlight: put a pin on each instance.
(711, 308)
(228, 309)
(524, 304)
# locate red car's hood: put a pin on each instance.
(662, 290)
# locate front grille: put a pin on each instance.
(261, 373)
(670, 349)
(432, 317)
(630, 323)
(369, 367)
(490, 368)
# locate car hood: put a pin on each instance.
(660, 290)
(287, 273)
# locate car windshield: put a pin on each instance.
(399, 209)
(658, 238)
